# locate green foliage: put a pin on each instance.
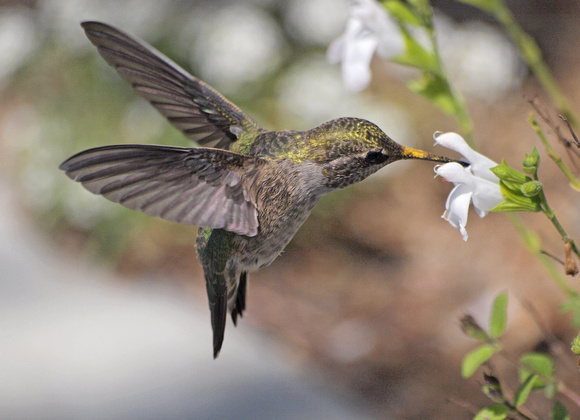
(487, 5)
(509, 175)
(531, 188)
(493, 412)
(524, 390)
(415, 55)
(471, 328)
(539, 366)
(475, 358)
(576, 345)
(573, 305)
(518, 190)
(531, 162)
(402, 12)
(559, 412)
(498, 316)
(436, 89)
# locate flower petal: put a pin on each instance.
(369, 28)
(480, 164)
(457, 208)
(376, 19)
(486, 196)
(358, 52)
(456, 173)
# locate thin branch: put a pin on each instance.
(552, 256)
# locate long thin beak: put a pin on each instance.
(410, 153)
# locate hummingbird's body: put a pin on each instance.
(248, 189)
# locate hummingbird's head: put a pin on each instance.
(351, 149)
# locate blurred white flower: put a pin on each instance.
(473, 184)
(369, 28)
(18, 40)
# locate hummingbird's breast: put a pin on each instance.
(285, 193)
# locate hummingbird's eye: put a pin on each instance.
(375, 157)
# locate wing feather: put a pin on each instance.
(200, 186)
(195, 108)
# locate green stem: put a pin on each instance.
(574, 182)
(532, 55)
(533, 244)
(461, 114)
(551, 215)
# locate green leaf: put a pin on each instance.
(493, 412)
(401, 12)
(559, 412)
(415, 54)
(572, 305)
(498, 317)
(517, 201)
(509, 207)
(524, 390)
(576, 345)
(436, 90)
(472, 329)
(491, 6)
(504, 172)
(475, 358)
(536, 364)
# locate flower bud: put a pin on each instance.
(492, 388)
(471, 328)
(532, 162)
(509, 175)
(531, 188)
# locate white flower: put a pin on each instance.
(369, 28)
(473, 184)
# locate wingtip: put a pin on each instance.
(87, 24)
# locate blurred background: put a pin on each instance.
(103, 312)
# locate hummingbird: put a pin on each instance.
(246, 188)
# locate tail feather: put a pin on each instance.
(240, 304)
(218, 309)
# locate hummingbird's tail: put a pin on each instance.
(218, 306)
(240, 302)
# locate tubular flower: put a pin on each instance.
(473, 184)
(369, 28)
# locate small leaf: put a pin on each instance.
(415, 54)
(475, 359)
(559, 412)
(576, 345)
(517, 201)
(540, 363)
(504, 172)
(498, 317)
(536, 364)
(491, 6)
(493, 412)
(471, 328)
(436, 90)
(401, 12)
(524, 390)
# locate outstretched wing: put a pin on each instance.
(198, 110)
(200, 186)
